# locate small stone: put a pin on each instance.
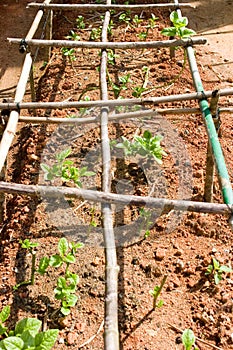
(179, 252)
(96, 262)
(160, 254)
(71, 338)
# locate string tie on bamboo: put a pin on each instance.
(203, 96)
(23, 46)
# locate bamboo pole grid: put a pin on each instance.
(105, 197)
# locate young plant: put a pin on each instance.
(151, 25)
(216, 270)
(111, 57)
(146, 146)
(179, 28)
(95, 33)
(137, 20)
(138, 91)
(80, 23)
(26, 244)
(188, 340)
(123, 82)
(26, 334)
(125, 17)
(65, 169)
(73, 36)
(70, 53)
(146, 215)
(67, 284)
(156, 292)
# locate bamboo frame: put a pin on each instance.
(105, 197)
(111, 44)
(98, 7)
(114, 103)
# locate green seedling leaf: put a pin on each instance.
(225, 268)
(217, 278)
(31, 324)
(26, 244)
(186, 32)
(5, 313)
(55, 260)
(12, 343)
(188, 339)
(65, 311)
(28, 339)
(63, 246)
(69, 258)
(2, 329)
(43, 265)
(70, 301)
(46, 340)
(170, 31)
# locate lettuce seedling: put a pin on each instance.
(179, 28)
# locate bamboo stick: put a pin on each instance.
(99, 7)
(10, 130)
(36, 22)
(114, 103)
(111, 45)
(103, 197)
(111, 332)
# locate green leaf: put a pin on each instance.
(43, 264)
(186, 32)
(70, 300)
(170, 31)
(69, 258)
(45, 167)
(160, 304)
(2, 347)
(2, 329)
(46, 340)
(55, 260)
(31, 324)
(63, 246)
(64, 154)
(217, 278)
(174, 17)
(225, 268)
(13, 343)
(188, 339)
(28, 339)
(5, 313)
(65, 311)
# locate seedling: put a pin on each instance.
(73, 36)
(112, 57)
(179, 28)
(188, 340)
(26, 244)
(138, 91)
(156, 292)
(216, 270)
(26, 335)
(70, 53)
(80, 22)
(67, 285)
(123, 82)
(146, 214)
(151, 25)
(95, 33)
(146, 146)
(65, 169)
(125, 17)
(137, 20)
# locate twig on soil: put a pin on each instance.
(92, 337)
(198, 339)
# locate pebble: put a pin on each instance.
(71, 338)
(160, 254)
